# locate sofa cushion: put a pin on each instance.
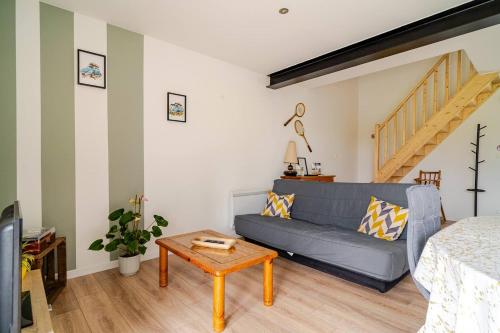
(328, 243)
(340, 204)
(384, 220)
(278, 205)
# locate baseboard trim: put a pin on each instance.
(74, 273)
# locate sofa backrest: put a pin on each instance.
(340, 204)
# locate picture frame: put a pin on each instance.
(176, 107)
(303, 164)
(91, 69)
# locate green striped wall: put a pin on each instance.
(58, 123)
(8, 174)
(125, 116)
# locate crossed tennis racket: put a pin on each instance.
(300, 110)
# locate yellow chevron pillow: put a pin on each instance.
(278, 205)
(384, 220)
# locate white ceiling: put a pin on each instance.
(251, 33)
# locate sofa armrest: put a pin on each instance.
(423, 221)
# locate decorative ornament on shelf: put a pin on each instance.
(303, 166)
(316, 169)
(291, 158)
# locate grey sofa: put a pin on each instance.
(323, 231)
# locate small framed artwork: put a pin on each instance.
(91, 70)
(177, 109)
(303, 165)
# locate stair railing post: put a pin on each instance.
(424, 103)
(386, 141)
(376, 155)
(435, 93)
(405, 129)
(414, 125)
(459, 70)
(447, 79)
(395, 143)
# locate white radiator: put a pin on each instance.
(246, 202)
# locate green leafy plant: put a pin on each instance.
(127, 235)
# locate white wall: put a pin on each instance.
(29, 185)
(454, 157)
(234, 136)
(91, 150)
(379, 93)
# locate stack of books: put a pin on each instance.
(37, 240)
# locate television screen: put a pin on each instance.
(10, 272)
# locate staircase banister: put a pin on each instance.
(419, 84)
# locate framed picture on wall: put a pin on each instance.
(176, 107)
(303, 165)
(91, 70)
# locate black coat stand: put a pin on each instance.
(476, 190)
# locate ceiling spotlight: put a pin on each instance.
(283, 11)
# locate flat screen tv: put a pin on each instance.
(10, 269)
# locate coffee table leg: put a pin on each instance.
(163, 267)
(268, 282)
(218, 300)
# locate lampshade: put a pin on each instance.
(291, 153)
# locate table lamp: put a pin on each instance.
(291, 158)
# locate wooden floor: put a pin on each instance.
(306, 300)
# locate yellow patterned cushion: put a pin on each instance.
(278, 205)
(384, 220)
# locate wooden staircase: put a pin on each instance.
(449, 93)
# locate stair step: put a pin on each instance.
(442, 136)
(472, 103)
(467, 111)
(398, 173)
(433, 140)
(412, 162)
(429, 147)
(420, 153)
(454, 124)
(394, 179)
(445, 129)
(483, 96)
(406, 169)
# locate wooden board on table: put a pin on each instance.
(241, 255)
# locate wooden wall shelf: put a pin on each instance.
(320, 178)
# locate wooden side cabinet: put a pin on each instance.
(46, 261)
(320, 178)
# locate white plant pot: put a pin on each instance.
(129, 265)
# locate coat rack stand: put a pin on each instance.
(476, 190)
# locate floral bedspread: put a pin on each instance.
(460, 266)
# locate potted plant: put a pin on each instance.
(26, 261)
(128, 236)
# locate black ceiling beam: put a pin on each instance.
(453, 22)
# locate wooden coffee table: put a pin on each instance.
(218, 263)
